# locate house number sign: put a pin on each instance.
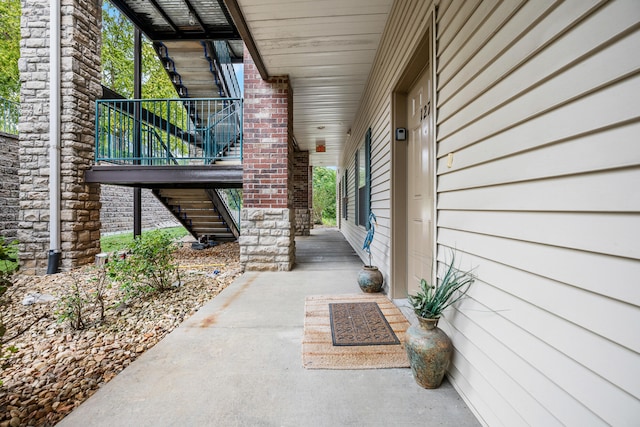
(424, 111)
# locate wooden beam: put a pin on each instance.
(243, 29)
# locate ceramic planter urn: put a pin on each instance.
(429, 350)
(370, 279)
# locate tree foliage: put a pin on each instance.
(117, 51)
(324, 195)
(9, 49)
(117, 59)
(117, 55)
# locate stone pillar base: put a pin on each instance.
(267, 239)
(303, 222)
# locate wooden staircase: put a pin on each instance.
(201, 212)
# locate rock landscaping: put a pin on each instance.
(56, 367)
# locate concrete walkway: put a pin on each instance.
(237, 362)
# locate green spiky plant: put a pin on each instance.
(432, 300)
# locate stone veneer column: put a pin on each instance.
(81, 22)
(267, 218)
(301, 203)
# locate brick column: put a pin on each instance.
(310, 196)
(301, 186)
(81, 22)
(267, 218)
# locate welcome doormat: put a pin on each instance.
(360, 323)
(318, 351)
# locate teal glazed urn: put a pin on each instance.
(429, 350)
(370, 279)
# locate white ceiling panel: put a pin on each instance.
(327, 48)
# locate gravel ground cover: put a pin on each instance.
(56, 368)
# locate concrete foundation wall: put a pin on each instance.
(116, 214)
(9, 186)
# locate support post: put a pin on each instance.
(137, 145)
(267, 238)
(301, 188)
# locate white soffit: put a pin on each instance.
(327, 48)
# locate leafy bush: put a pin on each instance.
(81, 307)
(121, 241)
(147, 266)
(8, 256)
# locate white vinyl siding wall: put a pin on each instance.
(539, 102)
(405, 27)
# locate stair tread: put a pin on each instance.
(196, 211)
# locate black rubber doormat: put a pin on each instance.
(360, 323)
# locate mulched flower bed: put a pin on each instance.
(56, 368)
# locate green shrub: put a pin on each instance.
(147, 266)
(8, 257)
(83, 307)
(324, 196)
(121, 241)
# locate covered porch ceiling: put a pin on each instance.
(327, 49)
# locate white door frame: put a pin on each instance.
(422, 54)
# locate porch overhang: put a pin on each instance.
(327, 49)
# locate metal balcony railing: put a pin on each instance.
(168, 131)
(9, 115)
(232, 199)
(226, 67)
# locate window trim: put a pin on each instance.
(362, 217)
(345, 194)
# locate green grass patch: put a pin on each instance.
(118, 242)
